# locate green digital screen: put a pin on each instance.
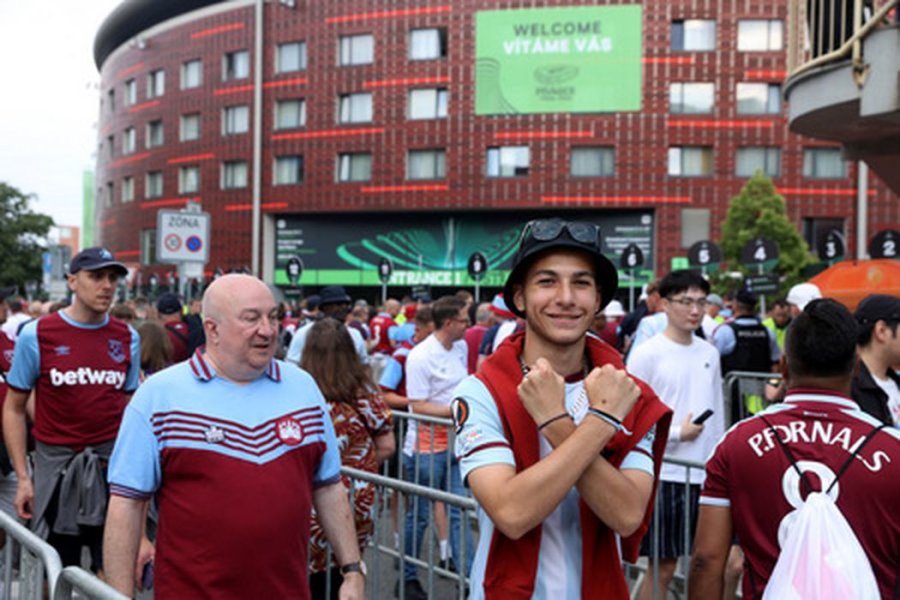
(549, 60)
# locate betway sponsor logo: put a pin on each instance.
(87, 376)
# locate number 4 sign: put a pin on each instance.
(758, 251)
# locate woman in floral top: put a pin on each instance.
(363, 426)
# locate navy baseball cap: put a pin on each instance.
(333, 294)
(168, 304)
(878, 307)
(7, 292)
(91, 259)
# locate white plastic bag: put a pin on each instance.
(821, 559)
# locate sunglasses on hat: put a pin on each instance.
(545, 230)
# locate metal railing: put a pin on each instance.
(745, 394)
(87, 585)
(37, 561)
(825, 31)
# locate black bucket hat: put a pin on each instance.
(542, 235)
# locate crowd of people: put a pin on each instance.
(183, 446)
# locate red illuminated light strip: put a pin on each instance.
(543, 134)
(167, 202)
(129, 159)
(121, 253)
(765, 74)
(108, 222)
(233, 90)
(375, 189)
(191, 158)
(720, 124)
(622, 199)
(303, 135)
(285, 82)
(820, 192)
(139, 107)
(216, 30)
(129, 70)
(387, 14)
(265, 206)
(670, 60)
(405, 81)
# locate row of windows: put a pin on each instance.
(290, 57)
(431, 103)
(689, 35)
(501, 161)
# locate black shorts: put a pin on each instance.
(670, 504)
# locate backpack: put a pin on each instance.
(821, 557)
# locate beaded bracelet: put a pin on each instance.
(617, 424)
(553, 419)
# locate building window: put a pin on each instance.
(290, 114)
(156, 83)
(427, 44)
(592, 162)
(234, 174)
(288, 170)
(758, 99)
(128, 189)
(356, 50)
(148, 246)
(191, 74)
(111, 97)
(694, 35)
(189, 179)
(235, 119)
(154, 134)
(130, 92)
(153, 185)
(108, 198)
(691, 98)
(129, 140)
(236, 65)
(760, 35)
(355, 108)
(694, 226)
(190, 127)
(750, 160)
(429, 103)
(426, 164)
(823, 163)
(508, 161)
(290, 57)
(690, 161)
(354, 167)
(110, 146)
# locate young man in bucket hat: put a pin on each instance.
(559, 445)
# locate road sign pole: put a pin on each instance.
(477, 292)
(631, 291)
(762, 298)
(383, 292)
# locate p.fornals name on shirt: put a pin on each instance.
(87, 376)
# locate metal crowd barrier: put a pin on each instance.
(745, 394)
(37, 561)
(75, 582)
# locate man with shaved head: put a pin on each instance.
(237, 447)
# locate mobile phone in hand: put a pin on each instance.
(703, 417)
(147, 576)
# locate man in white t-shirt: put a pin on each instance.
(434, 368)
(684, 372)
(876, 386)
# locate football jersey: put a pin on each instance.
(7, 347)
(82, 375)
(380, 325)
(750, 473)
(233, 467)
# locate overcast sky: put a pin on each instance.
(49, 100)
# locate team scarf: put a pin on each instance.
(512, 564)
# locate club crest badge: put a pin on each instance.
(8, 356)
(214, 435)
(62, 350)
(116, 350)
(289, 431)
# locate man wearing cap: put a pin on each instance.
(876, 386)
(83, 366)
(560, 446)
(237, 448)
(745, 344)
(800, 295)
(169, 308)
(335, 303)
(712, 319)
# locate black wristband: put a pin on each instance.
(554, 419)
(616, 423)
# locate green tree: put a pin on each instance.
(22, 238)
(760, 211)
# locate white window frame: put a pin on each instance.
(290, 57)
(348, 162)
(290, 107)
(189, 179)
(236, 65)
(154, 129)
(153, 185)
(191, 74)
(130, 95)
(592, 161)
(682, 91)
(234, 174)
(694, 35)
(156, 83)
(772, 91)
(771, 161)
(129, 140)
(436, 100)
(681, 159)
(429, 164)
(356, 107)
(508, 161)
(127, 189)
(815, 161)
(235, 119)
(183, 129)
(749, 38)
(288, 170)
(427, 43)
(356, 49)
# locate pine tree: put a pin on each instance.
(22, 238)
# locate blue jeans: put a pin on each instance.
(418, 515)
